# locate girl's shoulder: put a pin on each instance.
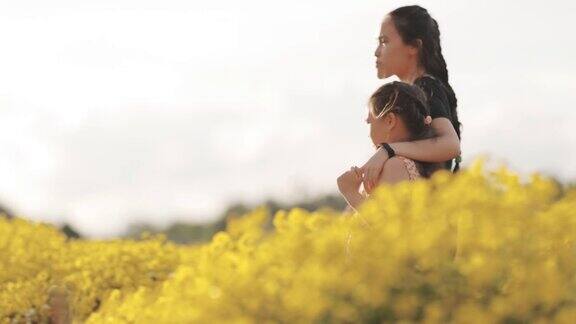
(399, 168)
(436, 95)
(410, 166)
(431, 86)
(428, 80)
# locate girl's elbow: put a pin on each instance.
(452, 148)
(450, 145)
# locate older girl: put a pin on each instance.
(409, 47)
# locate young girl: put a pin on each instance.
(409, 47)
(397, 112)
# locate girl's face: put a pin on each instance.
(392, 54)
(381, 128)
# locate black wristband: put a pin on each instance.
(388, 149)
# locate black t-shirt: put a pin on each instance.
(437, 101)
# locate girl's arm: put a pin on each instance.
(443, 147)
(354, 200)
(394, 171)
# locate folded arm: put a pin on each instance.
(394, 171)
(442, 148)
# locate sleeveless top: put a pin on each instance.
(411, 167)
(413, 172)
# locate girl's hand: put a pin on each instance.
(372, 169)
(350, 180)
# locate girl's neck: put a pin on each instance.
(411, 74)
(400, 135)
(401, 138)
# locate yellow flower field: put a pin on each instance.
(483, 246)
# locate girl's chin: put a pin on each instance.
(381, 75)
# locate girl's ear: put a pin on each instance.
(391, 120)
(416, 46)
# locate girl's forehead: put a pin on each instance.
(370, 111)
(387, 27)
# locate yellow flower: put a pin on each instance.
(480, 246)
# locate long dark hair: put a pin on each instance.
(410, 104)
(413, 23)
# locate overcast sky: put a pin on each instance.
(113, 111)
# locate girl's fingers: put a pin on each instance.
(354, 171)
(365, 183)
(369, 176)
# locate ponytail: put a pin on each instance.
(440, 71)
